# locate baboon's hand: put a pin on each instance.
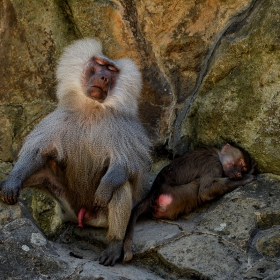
(9, 192)
(247, 178)
(102, 196)
(253, 167)
(115, 177)
(113, 253)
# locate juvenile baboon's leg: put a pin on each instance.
(139, 209)
(119, 210)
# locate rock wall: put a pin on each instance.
(239, 96)
(210, 75)
(210, 68)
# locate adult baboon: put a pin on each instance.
(92, 152)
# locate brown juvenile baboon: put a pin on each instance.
(92, 152)
(190, 181)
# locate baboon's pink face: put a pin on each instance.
(100, 76)
(233, 162)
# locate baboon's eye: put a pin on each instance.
(112, 68)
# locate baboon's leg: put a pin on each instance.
(119, 210)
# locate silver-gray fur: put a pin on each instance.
(103, 147)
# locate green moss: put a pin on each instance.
(44, 209)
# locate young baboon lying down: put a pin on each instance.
(191, 180)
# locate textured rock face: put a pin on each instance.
(238, 99)
(201, 61)
(234, 237)
(210, 74)
(25, 253)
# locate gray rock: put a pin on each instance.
(203, 255)
(25, 253)
(210, 74)
(235, 220)
(9, 213)
(262, 270)
(221, 240)
(269, 244)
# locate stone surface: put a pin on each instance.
(210, 74)
(269, 245)
(222, 240)
(203, 255)
(45, 211)
(25, 253)
(23, 259)
(213, 56)
(238, 98)
(234, 219)
(162, 233)
(262, 270)
(9, 213)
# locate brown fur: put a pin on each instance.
(191, 180)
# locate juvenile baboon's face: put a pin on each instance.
(233, 162)
(100, 76)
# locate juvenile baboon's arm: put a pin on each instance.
(115, 177)
(211, 188)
